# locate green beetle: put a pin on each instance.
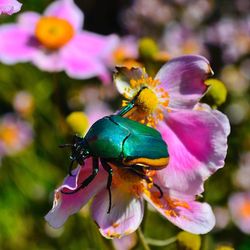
(122, 142)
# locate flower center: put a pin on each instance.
(130, 182)
(245, 209)
(150, 102)
(8, 134)
(53, 32)
(147, 101)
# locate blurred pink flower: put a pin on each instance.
(180, 40)
(241, 176)
(197, 143)
(125, 51)
(15, 135)
(9, 6)
(232, 36)
(23, 103)
(239, 206)
(222, 217)
(55, 42)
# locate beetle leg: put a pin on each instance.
(159, 189)
(146, 178)
(88, 180)
(107, 168)
(126, 109)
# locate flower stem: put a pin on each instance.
(161, 243)
(142, 239)
(144, 216)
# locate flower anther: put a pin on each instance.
(150, 100)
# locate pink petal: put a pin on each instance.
(94, 44)
(66, 9)
(9, 6)
(68, 204)
(13, 50)
(197, 143)
(27, 20)
(239, 206)
(125, 243)
(183, 78)
(125, 216)
(191, 216)
(48, 60)
(80, 65)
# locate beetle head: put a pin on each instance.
(79, 150)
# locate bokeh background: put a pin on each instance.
(37, 103)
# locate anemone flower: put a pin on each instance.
(55, 42)
(9, 6)
(197, 142)
(196, 135)
(239, 206)
(15, 134)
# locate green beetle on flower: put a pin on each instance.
(197, 143)
(119, 142)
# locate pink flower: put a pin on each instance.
(239, 206)
(197, 142)
(15, 135)
(55, 42)
(9, 6)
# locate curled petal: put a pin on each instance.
(122, 79)
(197, 143)
(191, 216)
(183, 78)
(66, 9)
(68, 204)
(12, 51)
(9, 6)
(125, 216)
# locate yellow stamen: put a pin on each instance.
(148, 81)
(150, 102)
(129, 182)
(147, 101)
(169, 205)
(53, 32)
